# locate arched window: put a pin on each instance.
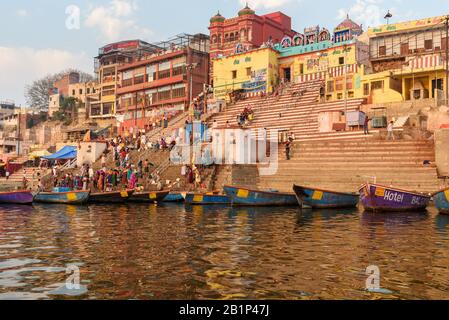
(232, 37)
(214, 39)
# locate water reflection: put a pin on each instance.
(171, 251)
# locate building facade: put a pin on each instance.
(408, 61)
(252, 73)
(246, 32)
(338, 59)
(110, 57)
(162, 83)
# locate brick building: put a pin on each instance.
(163, 82)
(247, 31)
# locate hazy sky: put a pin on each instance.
(38, 37)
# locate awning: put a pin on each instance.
(65, 153)
(38, 154)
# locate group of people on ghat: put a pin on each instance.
(246, 117)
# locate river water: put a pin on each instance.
(178, 252)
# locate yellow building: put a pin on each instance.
(407, 61)
(251, 73)
(330, 62)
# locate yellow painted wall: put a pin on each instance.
(258, 60)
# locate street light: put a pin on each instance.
(388, 16)
(190, 68)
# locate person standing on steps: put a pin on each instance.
(288, 146)
(390, 131)
(366, 125)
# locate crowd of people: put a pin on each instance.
(246, 117)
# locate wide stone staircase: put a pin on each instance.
(346, 165)
(295, 110)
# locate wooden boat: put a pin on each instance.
(110, 197)
(441, 200)
(175, 197)
(16, 197)
(207, 199)
(323, 199)
(248, 197)
(378, 198)
(149, 196)
(70, 197)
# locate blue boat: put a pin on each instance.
(441, 200)
(323, 199)
(247, 197)
(207, 199)
(175, 197)
(64, 197)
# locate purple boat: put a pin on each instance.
(379, 198)
(16, 197)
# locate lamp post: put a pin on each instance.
(190, 68)
(345, 84)
(447, 58)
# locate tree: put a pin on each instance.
(38, 93)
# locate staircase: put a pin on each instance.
(346, 165)
(296, 110)
(15, 180)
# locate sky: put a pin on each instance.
(40, 37)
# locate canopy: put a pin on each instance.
(38, 154)
(65, 153)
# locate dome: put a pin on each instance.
(246, 11)
(217, 18)
(348, 24)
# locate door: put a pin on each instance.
(287, 74)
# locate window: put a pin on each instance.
(339, 84)
(107, 108)
(366, 89)
(404, 49)
(377, 85)
(164, 74)
(73, 92)
(234, 74)
(330, 86)
(178, 91)
(341, 60)
(382, 51)
(178, 70)
(248, 72)
(301, 68)
(349, 83)
(81, 91)
(88, 90)
(428, 44)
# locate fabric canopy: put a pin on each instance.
(65, 153)
(38, 154)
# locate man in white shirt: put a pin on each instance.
(390, 131)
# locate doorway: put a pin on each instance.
(287, 74)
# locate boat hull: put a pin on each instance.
(148, 197)
(110, 197)
(16, 197)
(247, 197)
(74, 197)
(378, 198)
(322, 199)
(174, 197)
(441, 200)
(206, 199)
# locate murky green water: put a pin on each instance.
(173, 252)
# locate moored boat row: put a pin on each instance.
(373, 197)
(66, 196)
